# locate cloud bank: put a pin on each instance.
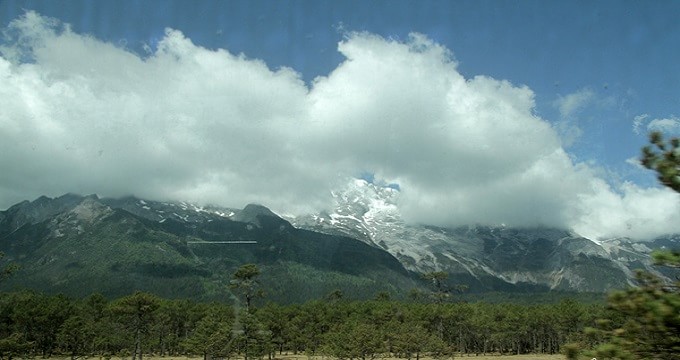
(188, 123)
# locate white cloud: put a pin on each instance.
(669, 125)
(188, 123)
(635, 212)
(86, 116)
(569, 132)
(570, 104)
(638, 121)
(635, 161)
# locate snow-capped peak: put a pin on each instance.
(540, 256)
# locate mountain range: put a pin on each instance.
(484, 257)
(82, 244)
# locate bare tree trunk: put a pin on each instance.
(138, 345)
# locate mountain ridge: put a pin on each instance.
(363, 233)
(78, 245)
(544, 257)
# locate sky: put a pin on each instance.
(526, 113)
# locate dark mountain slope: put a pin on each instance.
(79, 247)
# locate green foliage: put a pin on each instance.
(571, 351)
(664, 158)
(246, 273)
(649, 326)
(652, 321)
(112, 257)
(119, 251)
(15, 345)
(254, 339)
(667, 258)
(410, 339)
(35, 324)
(441, 290)
(213, 336)
(9, 269)
(382, 296)
(37, 318)
(437, 281)
(290, 282)
(335, 295)
(136, 313)
(73, 336)
(275, 318)
(354, 340)
(532, 298)
(245, 281)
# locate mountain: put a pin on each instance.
(82, 244)
(482, 257)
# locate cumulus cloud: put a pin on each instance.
(669, 125)
(634, 212)
(184, 122)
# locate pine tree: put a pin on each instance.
(137, 313)
(651, 329)
(9, 269)
(213, 335)
(664, 158)
(245, 281)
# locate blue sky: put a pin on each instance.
(593, 67)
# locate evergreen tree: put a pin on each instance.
(664, 158)
(335, 295)
(354, 340)
(93, 311)
(9, 269)
(275, 319)
(73, 335)
(14, 346)
(255, 339)
(137, 312)
(245, 281)
(213, 335)
(651, 329)
(411, 340)
(437, 281)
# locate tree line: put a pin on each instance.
(35, 324)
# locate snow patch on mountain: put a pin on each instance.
(554, 258)
(163, 211)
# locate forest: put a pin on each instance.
(35, 324)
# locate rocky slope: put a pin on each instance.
(485, 258)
